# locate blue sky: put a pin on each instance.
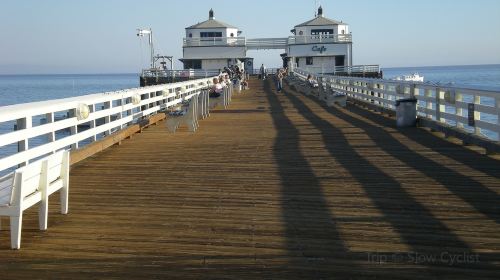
(98, 36)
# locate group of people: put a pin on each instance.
(218, 85)
(236, 75)
(280, 74)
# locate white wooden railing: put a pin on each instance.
(471, 110)
(185, 73)
(85, 118)
(266, 43)
(214, 41)
(314, 39)
(343, 70)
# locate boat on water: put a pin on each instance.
(415, 77)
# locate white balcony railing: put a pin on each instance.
(315, 39)
(214, 41)
(266, 43)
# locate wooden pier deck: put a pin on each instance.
(276, 187)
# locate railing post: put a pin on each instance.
(24, 123)
(428, 104)
(92, 122)
(459, 110)
(477, 114)
(439, 107)
(49, 118)
(74, 128)
(497, 106)
(107, 119)
(51, 136)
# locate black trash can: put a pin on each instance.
(406, 112)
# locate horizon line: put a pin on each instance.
(138, 73)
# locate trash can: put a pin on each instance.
(406, 112)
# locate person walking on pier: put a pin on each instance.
(263, 72)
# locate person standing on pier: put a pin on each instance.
(279, 77)
(263, 72)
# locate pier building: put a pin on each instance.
(319, 45)
(212, 45)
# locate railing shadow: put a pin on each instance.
(415, 224)
(484, 164)
(312, 238)
(482, 198)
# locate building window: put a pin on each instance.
(321, 31)
(192, 64)
(301, 33)
(309, 60)
(190, 35)
(339, 60)
(210, 34)
(297, 62)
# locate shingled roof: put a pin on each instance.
(211, 23)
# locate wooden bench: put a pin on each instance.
(30, 185)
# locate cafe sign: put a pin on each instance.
(319, 49)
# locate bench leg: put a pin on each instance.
(64, 198)
(15, 231)
(43, 214)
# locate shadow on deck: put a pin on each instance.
(278, 186)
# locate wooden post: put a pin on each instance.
(459, 97)
(73, 129)
(107, 119)
(497, 105)
(24, 123)
(92, 123)
(51, 136)
(428, 104)
(477, 115)
(439, 106)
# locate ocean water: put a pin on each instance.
(485, 77)
(15, 89)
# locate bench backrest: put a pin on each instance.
(57, 166)
(28, 180)
(6, 189)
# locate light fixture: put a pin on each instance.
(136, 99)
(82, 111)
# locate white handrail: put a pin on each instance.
(444, 104)
(119, 110)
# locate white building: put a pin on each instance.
(212, 44)
(320, 44)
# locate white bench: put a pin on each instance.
(30, 185)
(188, 117)
(224, 99)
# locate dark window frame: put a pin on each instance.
(309, 60)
